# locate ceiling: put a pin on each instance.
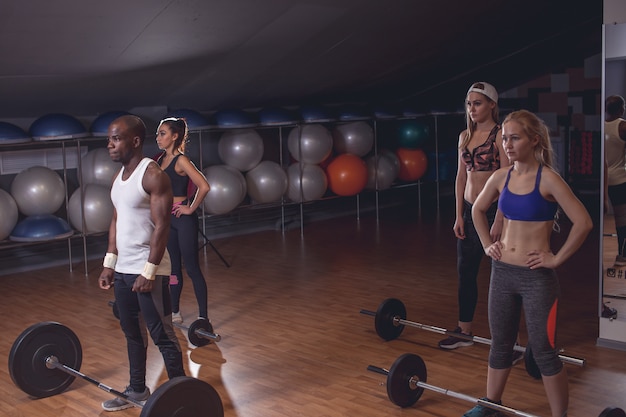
(86, 57)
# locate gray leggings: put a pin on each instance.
(537, 291)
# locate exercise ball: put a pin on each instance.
(315, 113)
(381, 172)
(388, 153)
(412, 134)
(228, 189)
(310, 143)
(38, 190)
(241, 148)
(356, 138)
(194, 119)
(41, 227)
(276, 116)
(97, 209)
(100, 125)
(8, 209)
(57, 126)
(413, 163)
(97, 167)
(305, 183)
(347, 175)
(234, 118)
(266, 182)
(10, 133)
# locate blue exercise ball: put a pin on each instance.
(100, 125)
(41, 228)
(412, 133)
(312, 113)
(195, 120)
(276, 116)
(57, 126)
(234, 118)
(10, 133)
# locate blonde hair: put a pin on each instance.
(471, 126)
(534, 127)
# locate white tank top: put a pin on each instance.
(615, 152)
(134, 225)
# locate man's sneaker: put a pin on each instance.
(620, 261)
(177, 317)
(452, 342)
(481, 410)
(517, 357)
(609, 312)
(117, 403)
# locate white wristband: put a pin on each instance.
(110, 259)
(149, 271)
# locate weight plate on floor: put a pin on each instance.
(400, 390)
(27, 359)
(384, 323)
(612, 412)
(531, 366)
(184, 396)
(202, 325)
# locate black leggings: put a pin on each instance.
(156, 316)
(470, 253)
(535, 291)
(183, 247)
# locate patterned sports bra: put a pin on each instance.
(485, 157)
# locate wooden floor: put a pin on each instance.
(293, 341)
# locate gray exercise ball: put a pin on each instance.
(38, 190)
(380, 176)
(310, 144)
(228, 189)
(306, 183)
(356, 138)
(96, 167)
(97, 208)
(9, 216)
(241, 148)
(267, 182)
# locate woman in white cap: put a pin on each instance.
(480, 153)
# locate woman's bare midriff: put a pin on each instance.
(475, 183)
(525, 237)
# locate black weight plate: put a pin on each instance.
(400, 390)
(531, 366)
(27, 359)
(612, 412)
(384, 323)
(184, 396)
(195, 338)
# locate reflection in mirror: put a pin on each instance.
(613, 307)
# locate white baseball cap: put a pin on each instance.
(485, 89)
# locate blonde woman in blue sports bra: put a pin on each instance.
(480, 154)
(523, 276)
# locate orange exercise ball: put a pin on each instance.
(413, 163)
(347, 174)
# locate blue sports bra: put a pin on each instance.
(531, 207)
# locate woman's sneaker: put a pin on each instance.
(452, 342)
(117, 403)
(177, 317)
(481, 410)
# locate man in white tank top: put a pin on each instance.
(615, 164)
(137, 264)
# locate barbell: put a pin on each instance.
(45, 359)
(406, 382)
(390, 320)
(199, 333)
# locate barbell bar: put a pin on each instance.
(406, 382)
(390, 320)
(199, 333)
(46, 357)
